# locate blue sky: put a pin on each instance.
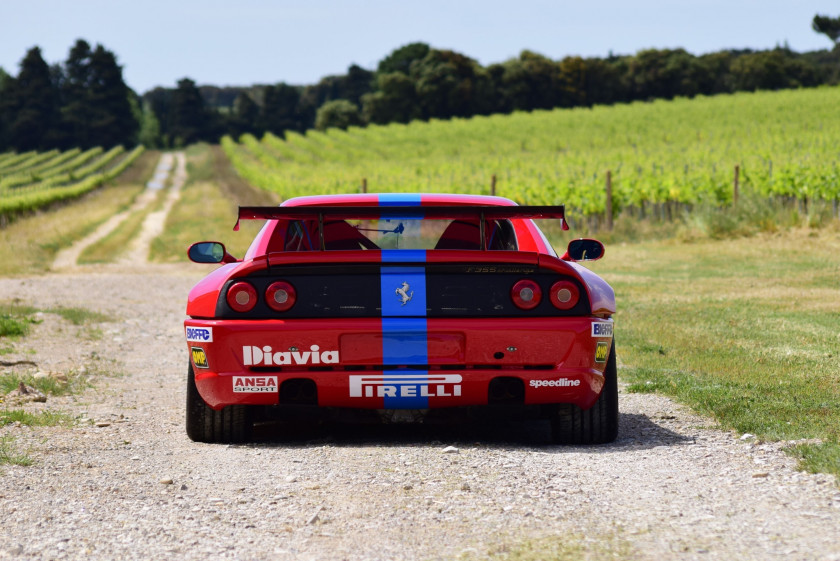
(242, 42)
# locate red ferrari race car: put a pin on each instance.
(401, 304)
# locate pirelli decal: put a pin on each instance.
(412, 388)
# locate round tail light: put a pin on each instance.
(280, 296)
(242, 297)
(526, 294)
(564, 295)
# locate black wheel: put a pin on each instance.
(596, 425)
(231, 424)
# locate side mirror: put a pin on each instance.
(584, 249)
(209, 252)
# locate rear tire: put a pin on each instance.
(596, 425)
(231, 424)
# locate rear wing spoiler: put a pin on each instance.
(479, 213)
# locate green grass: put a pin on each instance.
(814, 457)
(15, 319)
(744, 330)
(46, 418)
(80, 316)
(10, 455)
(46, 385)
(12, 326)
(565, 548)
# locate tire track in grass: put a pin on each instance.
(68, 258)
(155, 222)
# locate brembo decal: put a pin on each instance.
(602, 329)
(199, 334)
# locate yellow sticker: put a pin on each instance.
(602, 349)
(199, 357)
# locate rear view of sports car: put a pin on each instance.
(397, 305)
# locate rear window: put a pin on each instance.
(304, 235)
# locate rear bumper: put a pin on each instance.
(401, 363)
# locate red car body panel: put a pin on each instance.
(543, 350)
(401, 359)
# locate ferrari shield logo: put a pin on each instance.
(403, 293)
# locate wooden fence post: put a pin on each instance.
(364, 185)
(735, 185)
(493, 185)
(608, 210)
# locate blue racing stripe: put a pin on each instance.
(403, 255)
(405, 342)
(408, 389)
(399, 199)
(405, 339)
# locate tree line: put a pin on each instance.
(84, 102)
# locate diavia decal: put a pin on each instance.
(199, 334)
(558, 383)
(199, 357)
(255, 384)
(602, 329)
(601, 351)
(266, 356)
(405, 385)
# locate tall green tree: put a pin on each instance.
(394, 101)
(771, 70)
(338, 113)
(531, 81)
(77, 108)
(400, 59)
(245, 116)
(34, 102)
(5, 112)
(149, 135)
(113, 121)
(828, 26)
(662, 73)
(189, 120)
(450, 84)
(280, 109)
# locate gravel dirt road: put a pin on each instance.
(124, 482)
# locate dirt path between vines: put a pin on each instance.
(670, 487)
(152, 225)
